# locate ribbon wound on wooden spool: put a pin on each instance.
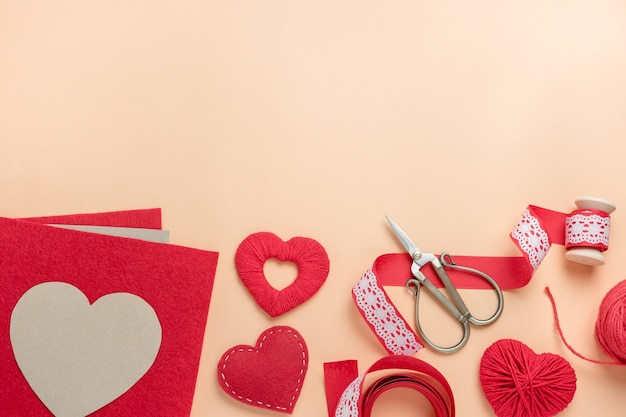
(587, 228)
(587, 231)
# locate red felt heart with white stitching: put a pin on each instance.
(268, 375)
(307, 254)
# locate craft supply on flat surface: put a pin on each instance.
(610, 329)
(79, 357)
(307, 254)
(517, 382)
(537, 229)
(268, 375)
(348, 395)
(587, 231)
(455, 305)
(151, 235)
(139, 218)
(176, 282)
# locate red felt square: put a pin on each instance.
(175, 281)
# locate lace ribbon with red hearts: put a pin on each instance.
(347, 396)
(536, 231)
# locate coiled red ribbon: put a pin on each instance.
(347, 397)
(536, 231)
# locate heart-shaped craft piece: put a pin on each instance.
(78, 357)
(520, 383)
(268, 375)
(307, 254)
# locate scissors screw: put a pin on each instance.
(417, 255)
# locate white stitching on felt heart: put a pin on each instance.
(303, 366)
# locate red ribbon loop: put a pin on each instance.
(346, 396)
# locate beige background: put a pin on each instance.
(316, 119)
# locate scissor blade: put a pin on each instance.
(408, 244)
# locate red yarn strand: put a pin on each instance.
(606, 335)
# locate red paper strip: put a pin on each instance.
(337, 377)
(176, 281)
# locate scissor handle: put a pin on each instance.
(447, 262)
(414, 285)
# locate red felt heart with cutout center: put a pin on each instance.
(307, 254)
(520, 383)
(268, 375)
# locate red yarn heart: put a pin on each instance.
(307, 254)
(269, 375)
(520, 383)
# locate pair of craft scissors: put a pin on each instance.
(454, 305)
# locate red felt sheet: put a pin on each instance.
(176, 281)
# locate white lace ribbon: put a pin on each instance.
(379, 312)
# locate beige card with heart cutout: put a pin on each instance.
(76, 356)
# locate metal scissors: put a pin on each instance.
(454, 305)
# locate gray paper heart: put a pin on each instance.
(79, 357)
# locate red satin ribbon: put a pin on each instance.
(347, 396)
(535, 232)
(511, 272)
